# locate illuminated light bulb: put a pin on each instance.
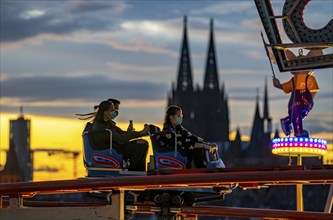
(301, 139)
(311, 140)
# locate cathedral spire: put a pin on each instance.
(257, 112)
(184, 82)
(257, 121)
(211, 76)
(238, 136)
(266, 118)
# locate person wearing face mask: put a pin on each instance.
(193, 145)
(116, 104)
(134, 150)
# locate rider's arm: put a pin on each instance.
(124, 137)
(166, 139)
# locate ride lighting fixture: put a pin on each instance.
(295, 146)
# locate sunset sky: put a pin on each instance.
(59, 58)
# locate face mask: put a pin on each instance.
(113, 115)
(179, 120)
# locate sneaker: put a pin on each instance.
(285, 125)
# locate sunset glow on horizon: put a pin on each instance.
(65, 133)
(53, 133)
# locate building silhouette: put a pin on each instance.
(205, 109)
(213, 125)
(18, 167)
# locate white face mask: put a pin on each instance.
(113, 114)
(179, 120)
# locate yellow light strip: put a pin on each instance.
(299, 150)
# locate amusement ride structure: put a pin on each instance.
(171, 191)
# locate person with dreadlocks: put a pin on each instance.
(133, 150)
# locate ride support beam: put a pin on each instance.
(190, 211)
(329, 201)
(56, 213)
(17, 211)
(191, 180)
(299, 189)
(254, 213)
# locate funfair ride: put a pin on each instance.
(168, 189)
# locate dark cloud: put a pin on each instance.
(64, 18)
(49, 88)
(95, 6)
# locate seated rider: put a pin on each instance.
(193, 145)
(134, 150)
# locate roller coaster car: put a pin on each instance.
(166, 158)
(100, 160)
(173, 158)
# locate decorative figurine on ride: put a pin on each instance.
(303, 85)
(303, 88)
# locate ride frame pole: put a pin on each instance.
(299, 189)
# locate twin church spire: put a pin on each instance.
(185, 82)
(212, 126)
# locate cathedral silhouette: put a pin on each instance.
(206, 112)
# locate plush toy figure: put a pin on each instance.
(303, 88)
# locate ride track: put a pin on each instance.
(196, 178)
(246, 178)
